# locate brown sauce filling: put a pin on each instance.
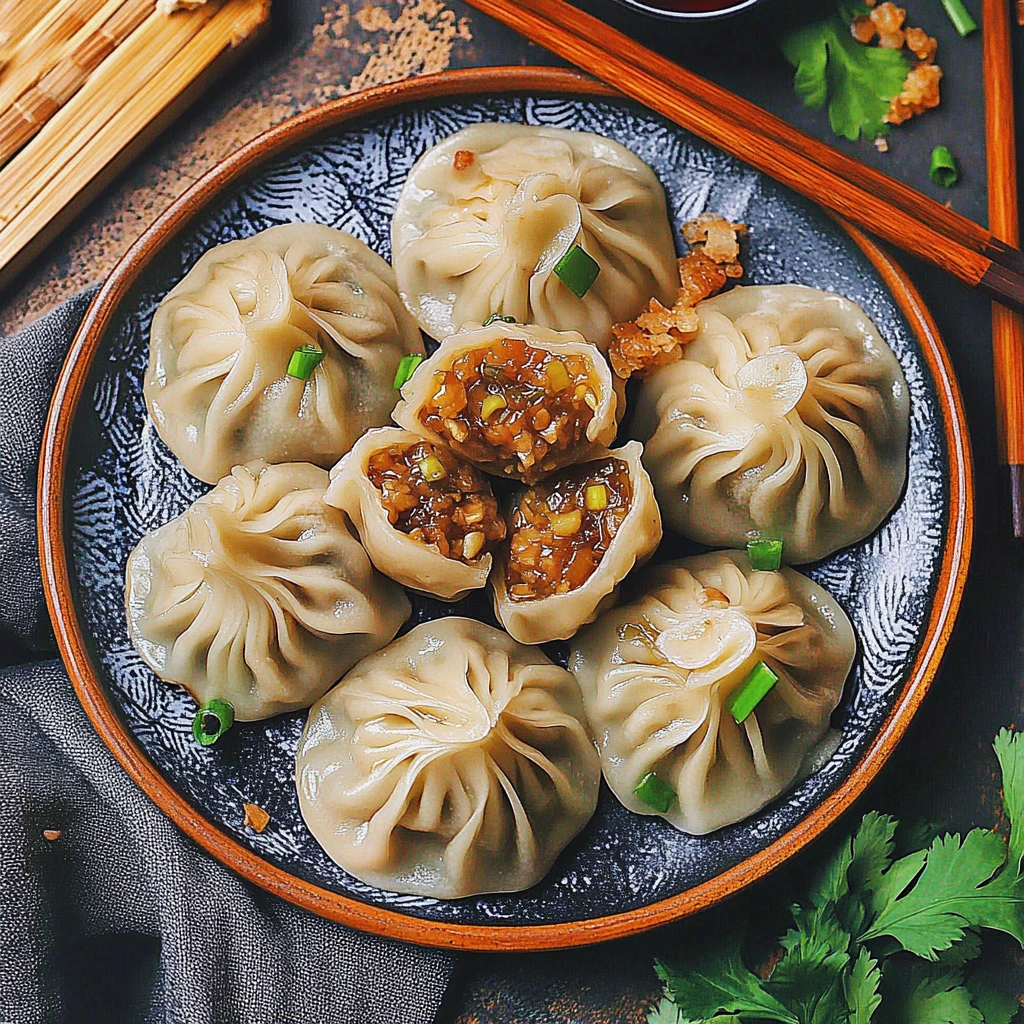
(561, 530)
(437, 499)
(518, 411)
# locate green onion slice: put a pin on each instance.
(577, 271)
(406, 368)
(944, 170)
(960, 16)
(304, 361)
(751, 692)
(765, 555)
(655, 792)
(212, 720)
(494, 317)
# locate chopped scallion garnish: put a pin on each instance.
(596, 498)
(943, 171)
(304, 361)
(432, 469)
(751, 692)
(655, 792)
(495, 317)
(765, 555)
(960, 16)
(212, 720)
(577, 270)
(490, 405)
(406, 368)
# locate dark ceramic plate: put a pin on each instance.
(107, 479)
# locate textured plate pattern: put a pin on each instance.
(123, 482)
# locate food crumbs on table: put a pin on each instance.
(882, 144)
(52, 834)
(255, 817)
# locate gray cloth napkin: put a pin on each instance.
(122, 917)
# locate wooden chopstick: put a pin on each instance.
(39, 103)
(904, 217)
(1007, 326)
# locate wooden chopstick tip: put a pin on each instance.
(1017, 499)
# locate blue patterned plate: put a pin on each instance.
(107, 479)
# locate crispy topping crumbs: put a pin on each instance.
(561, 529)
(920, 93)
(882, 144)
(437, 499)
(463, 159)
(52, 834)
(255, 817)
(655, 337)
(921, 87)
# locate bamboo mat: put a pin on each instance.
(84, 85)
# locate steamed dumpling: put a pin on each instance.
(572, 540)
(656, 675)
(453, 762)
(259, 594)
(487, 213)
(426, 518)
(787, 417)
(516, 401)
(217, 386)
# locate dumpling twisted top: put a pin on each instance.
(787, 417)
(484, 238)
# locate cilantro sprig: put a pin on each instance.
(886, 934)
(856, 81)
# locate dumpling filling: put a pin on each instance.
(437, 499)
(519, 410)
(561, 529)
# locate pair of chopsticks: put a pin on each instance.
(910, 221)
(1007, 325)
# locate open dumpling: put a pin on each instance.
(787, 417)
(516, 401)
(572, 540)
(487, 213)
(658, 676)
(453, 762)
(426, 518)
(218, 385)
(259, 594)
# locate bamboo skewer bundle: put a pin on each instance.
(141, 85)
(35, 107)
(65, 26)
(17, 19)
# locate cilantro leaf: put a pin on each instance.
(861, 988)
(926, 994)
(856, 81)
(717, 982)
(1010, 751)
(989, 994)
(666, 1012)
(873, 845)
(958, 888)
(961, 952)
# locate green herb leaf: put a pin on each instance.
(958, 888)
(925, 994)
(856, 81)
(1010, 752)
(991, 995)
(716, 982)
(666, 1012)
(861, 986)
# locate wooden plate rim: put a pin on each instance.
(343, 909)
